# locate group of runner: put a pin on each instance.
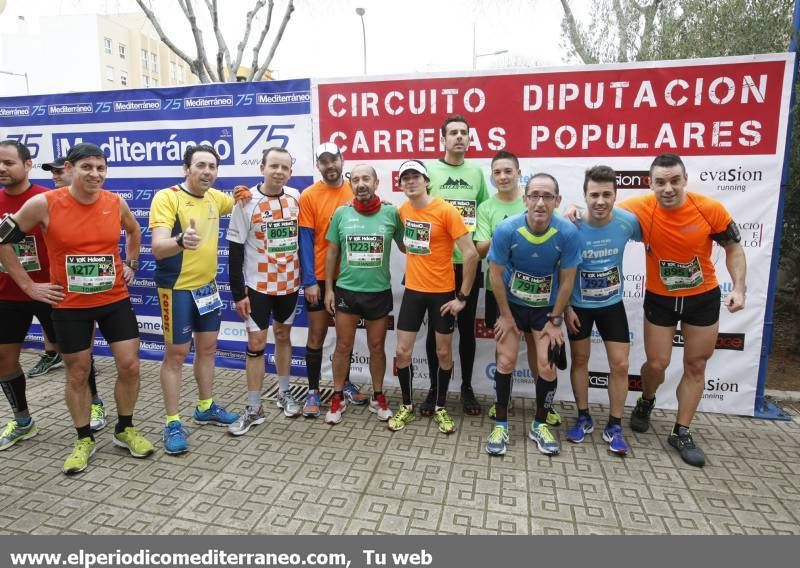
(334, 240)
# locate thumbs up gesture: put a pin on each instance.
(191, 240)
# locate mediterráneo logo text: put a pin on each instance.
(150, 147)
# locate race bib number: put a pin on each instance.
(534, 291)
(365, 251)
(282, 236)
(207, 298)
(599, 286)
(679, 275)
(417, 238)
(27, 254)
(90, 274)
(467, 208)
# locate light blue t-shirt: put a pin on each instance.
(599, 280)
(532, 261)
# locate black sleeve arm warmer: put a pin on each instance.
(235, 270)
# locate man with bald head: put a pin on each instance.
(360, 240)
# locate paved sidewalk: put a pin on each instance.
(305, 477)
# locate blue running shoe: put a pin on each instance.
(545, 441)
(498, 441)
(583, 426)
(216, 415)
(616, 443)
(354, 396)
(175, 438)
(311, 407)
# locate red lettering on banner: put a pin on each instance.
(714, 109)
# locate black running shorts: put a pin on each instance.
(368, 305)
(416, 304)
(75, 326)
(701, 310)
(611, 322)
(16, 318)
(262, 306)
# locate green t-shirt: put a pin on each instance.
(365, 242)
(490, 213)
(463, 186)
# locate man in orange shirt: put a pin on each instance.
(87, 266)
(318, 202)
(432, 228)
(678, 228)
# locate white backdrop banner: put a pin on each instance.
(727, 117)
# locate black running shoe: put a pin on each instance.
(640, 417)
(471, 405)
(683, 442)
(428, 406)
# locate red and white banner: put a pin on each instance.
(726, 117)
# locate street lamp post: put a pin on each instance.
(361, 12)
(27, 86)
(476, 55)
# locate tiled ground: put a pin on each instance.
(305, 477)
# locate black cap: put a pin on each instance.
(54, 165)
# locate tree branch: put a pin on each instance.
(286, 17)
(188, 11)
(194, 64)
(222, 47)
(575, 36)
(649, 29)
(248, 26)
(622, 30)
(260, 42)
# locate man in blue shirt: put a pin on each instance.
(532, 263)
(597, 300)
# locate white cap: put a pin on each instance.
(413, 166)
(327, 148)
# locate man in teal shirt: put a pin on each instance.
(360, 238)
(462, 184)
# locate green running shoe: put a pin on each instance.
(544, 439)
(134, 442)
(405, 414)
(553, 418)
(78, 460)
(446, 424)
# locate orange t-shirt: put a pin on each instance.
(429, 236)
(678, 242)
(318, 202)
(83, 246)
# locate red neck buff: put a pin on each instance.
(370, 207)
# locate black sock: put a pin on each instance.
(442, 383)
(545, 391)
(14, 389)
(502, 384)
(583, 412)
(433, 358)
(313, 366)
(84, 432)
(347, 376)
(466, 341)
(122, 423)
(405, 376)
(677, 429)
(614, 421)
(650, 400)
(93, 381)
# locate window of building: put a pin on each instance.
(123, 78)
(123, 51)
(173, 72)
(154, 82)
(109, 73)
(145, 80)
(145, 60)
(180, 73)
(107, 45)
(153, 62)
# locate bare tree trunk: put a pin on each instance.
(286, 17)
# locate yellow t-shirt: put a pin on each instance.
(173, 208)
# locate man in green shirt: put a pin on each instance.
(508, 201)
(463, 185)
(360, 238)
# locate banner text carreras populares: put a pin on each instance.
(720, 109)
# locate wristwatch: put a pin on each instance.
(460, 297)
(555, 320)
(179, 240)
(132, 264)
